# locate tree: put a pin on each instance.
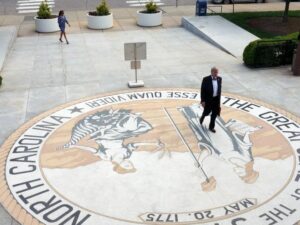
(286, 11)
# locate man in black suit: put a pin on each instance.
(211, 97)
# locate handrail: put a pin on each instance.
(214, 6)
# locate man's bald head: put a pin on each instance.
(214, 71)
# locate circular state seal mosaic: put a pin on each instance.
(142, 157)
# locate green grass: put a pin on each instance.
(292, 35)
(240, 19)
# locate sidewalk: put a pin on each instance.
(125, 18)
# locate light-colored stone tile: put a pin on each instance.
(5, 218)
(157, 82)
(42, 99)
(116, 27)
(168, 22)
(129, 24)
(13, 20)
(77, 76)
(75, 27)
(9, 123)
(190, 80)
(74, 92)
(15, 80)
(53, 77)
(120, 84)
(27, 29)
(15, 223)
(71, 15)
(121, 13)
(1, 20)
(13, 101)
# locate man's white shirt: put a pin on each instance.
(215, 87)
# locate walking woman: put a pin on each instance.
(62, 21)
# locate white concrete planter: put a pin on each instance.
(100, 22)
(46, 25)
(149, 19)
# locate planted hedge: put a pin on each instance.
(270, 52)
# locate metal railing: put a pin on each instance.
(214, 6)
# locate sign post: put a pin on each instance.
(135, 52)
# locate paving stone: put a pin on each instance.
(53, 77)
(15, 80)
(42, 99)
(74, 92)
(15, 222)
(5, 218)
(9, 123)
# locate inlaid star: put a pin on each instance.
(75, 109)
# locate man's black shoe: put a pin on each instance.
(212, 130)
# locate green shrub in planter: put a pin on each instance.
(44, 11)
(269, 52)
(102, 9)
(151, 7)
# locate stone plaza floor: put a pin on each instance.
(40, 73)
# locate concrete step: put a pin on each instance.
(8, 35)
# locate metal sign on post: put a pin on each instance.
(135, 52)
(135, 65)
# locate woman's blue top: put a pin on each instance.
(62, 20)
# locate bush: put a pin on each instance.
(151, 7)
(102, 9)
(44, 11)
(249, 53)
(293, 36)
(1, 80)
(270, 52)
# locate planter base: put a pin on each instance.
(100, 22)
(138, 83)
(46, 25)
(149, 19)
